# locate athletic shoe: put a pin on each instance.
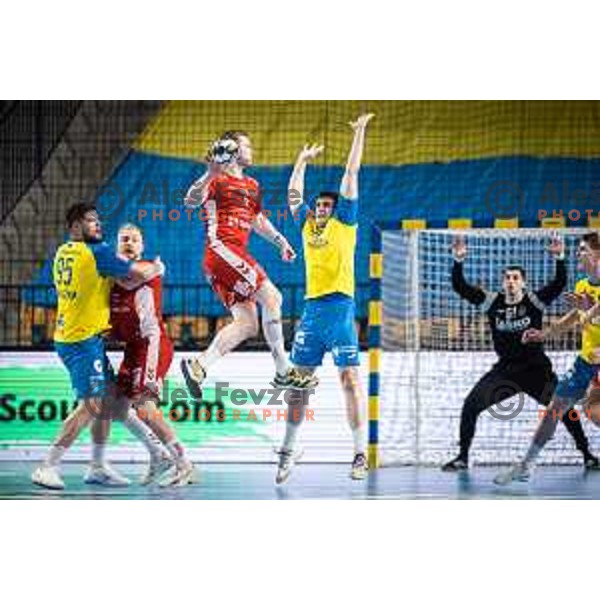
(359, 466)
(456, 464)
(282, 381)
(48, 477)
(591, 463)
(156, 469)
(194, 375)
(183, 475)
(295, 379)
(518, 472)
(104, 474)
(287, 460)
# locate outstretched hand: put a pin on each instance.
(311, 152)
(459, 248)
(556, 246)
(362, 121)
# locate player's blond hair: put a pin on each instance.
(132, 226)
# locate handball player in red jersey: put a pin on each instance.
(232, 205)
(136, 319)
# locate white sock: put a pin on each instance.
(176, 450)
(55, 456)
(98, 453)
(358, 437)
(210, 356)
(273, 332)
(293, 425)
(144, 434)
(291, 433)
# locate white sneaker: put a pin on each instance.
(104, 474)
(518, 472)
(194, 375)
(48, 477)
(156, 469)
(287, 460)
(183, 475)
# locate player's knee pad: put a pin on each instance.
(271, 316)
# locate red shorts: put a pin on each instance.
(144, 368)
(233, 274)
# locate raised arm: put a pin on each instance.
(268, 231)
(583, 312)
(296, 183)
(349, 185)
(555, 288)
(127, 273)
(472, 294)
(196, 195)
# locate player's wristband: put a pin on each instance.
(560, 256)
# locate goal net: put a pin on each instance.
(436, 346)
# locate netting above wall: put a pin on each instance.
(423, 159)
(417, 287)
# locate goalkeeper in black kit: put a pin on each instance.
(521, 368)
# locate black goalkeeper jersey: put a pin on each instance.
(509, 321)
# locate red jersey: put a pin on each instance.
(231, 206)
(136, 314)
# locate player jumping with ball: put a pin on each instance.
(233, 208)
(327, 325)
(522, 368)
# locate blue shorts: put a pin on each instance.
(574, 384)
(88, 366)
(327, 325)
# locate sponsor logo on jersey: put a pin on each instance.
(510, 325)
(317, 240)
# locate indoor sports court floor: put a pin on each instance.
(312, 481)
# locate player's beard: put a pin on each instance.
(92, 239)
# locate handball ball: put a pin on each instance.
(591, 406)
(224, 151)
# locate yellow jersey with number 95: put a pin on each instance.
(590, 336)
(81, 273)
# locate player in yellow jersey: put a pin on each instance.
(83, 271)
(327, 324)
(574, 384)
